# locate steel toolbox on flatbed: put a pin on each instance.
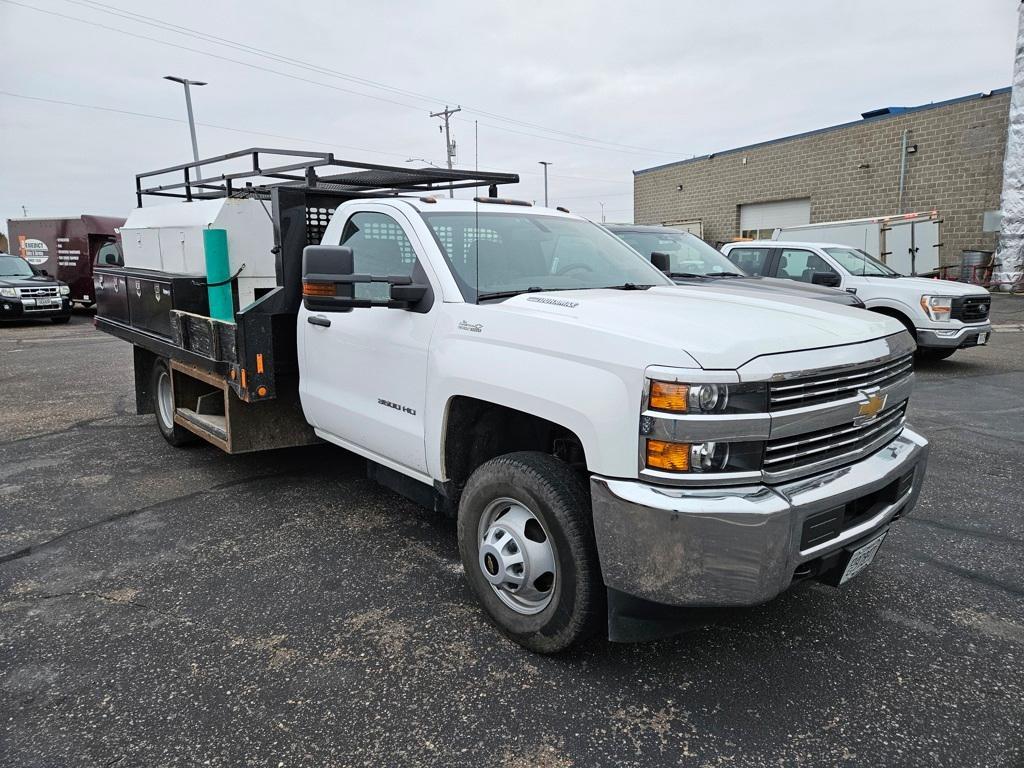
(250, 362)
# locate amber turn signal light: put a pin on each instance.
(318, 289)
(673, 457)
(668, 397)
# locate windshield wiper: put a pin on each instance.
(506, 294)
(725, 274)
(687, 275)
(629, 287)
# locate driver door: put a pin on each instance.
(363, 372)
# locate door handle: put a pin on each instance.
(318, 320)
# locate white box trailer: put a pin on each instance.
(906, 242)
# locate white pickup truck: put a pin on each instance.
(943, 316)
(614, 446)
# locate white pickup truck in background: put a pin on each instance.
(613, 445)
(942, 315)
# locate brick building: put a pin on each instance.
(954, 164)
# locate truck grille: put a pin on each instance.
(36, 293)
(789, 453)
(827, 387)
(970, 309)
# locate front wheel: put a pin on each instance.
(528, 550)
(934, 353)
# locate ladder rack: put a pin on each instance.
(253, 172)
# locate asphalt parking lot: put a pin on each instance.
(184, 607)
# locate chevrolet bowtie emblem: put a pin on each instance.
(870, 406)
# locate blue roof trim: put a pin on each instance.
(866, 117)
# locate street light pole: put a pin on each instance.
(545, 163)
(191, 120)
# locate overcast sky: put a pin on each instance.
(597, 89)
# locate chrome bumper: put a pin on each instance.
(951, 338)
(740, 545)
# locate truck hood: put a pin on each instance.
(27, 282)
(719, 329)
(927, 286)
(779, 287)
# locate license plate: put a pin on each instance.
(861, 559)
(982, 337)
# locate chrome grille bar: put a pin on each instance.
(43, 292)
(819, 389)
(832, 443)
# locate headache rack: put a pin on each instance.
(255, 172)
(236, 383)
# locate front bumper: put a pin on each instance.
(741, 545)
(965, 336)
(13, 309)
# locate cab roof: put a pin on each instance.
(784, 244)
(460, 205)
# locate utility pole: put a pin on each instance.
(602, 212)
(545, 163)
(449, 145)
(191, 120)
(24, 212)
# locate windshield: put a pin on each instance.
(688, 254)
(14, 266)
(523, 252)
(857, 262)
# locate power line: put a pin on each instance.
(595, 197)
(205, 125)
(194, 33)
(627, 149)
(322, 142)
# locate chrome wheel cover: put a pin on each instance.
(517, 556)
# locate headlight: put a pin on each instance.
(937, 307)
(703, 457)
(65, 290)
(697, 399)
(10, 293)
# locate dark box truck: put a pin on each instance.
(67, 248)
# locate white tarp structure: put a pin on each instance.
(1010, 256)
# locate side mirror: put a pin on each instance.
(44, 273)
(661, 260)
(328, 282)
(828, 279)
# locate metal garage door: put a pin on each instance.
(758, 220)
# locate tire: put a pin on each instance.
(60, 320)
(163, 406)
(935, 353)
(573, 606)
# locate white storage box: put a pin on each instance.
(169, 238)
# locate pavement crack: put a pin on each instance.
(118, 516)
(85, 424)
(972, 532)
(968, 575)
(88, 593)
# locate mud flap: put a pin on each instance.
(633, 620)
